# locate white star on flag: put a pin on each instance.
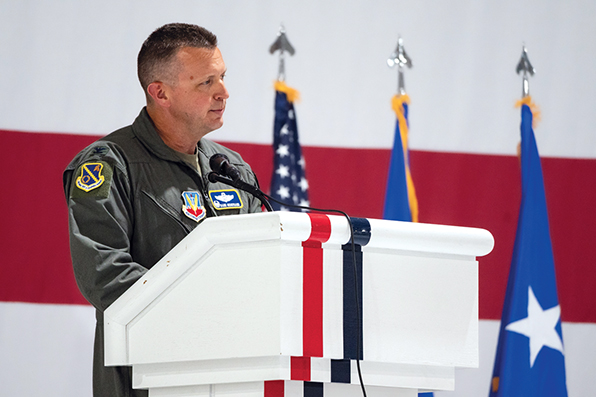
(539, 327)
(284, 192)
(303, 184)
(283, 171)
(284, 130)
(283, 150)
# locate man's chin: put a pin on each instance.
(214, 126)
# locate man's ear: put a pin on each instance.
(158, 93)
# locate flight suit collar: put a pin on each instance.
(145, 131)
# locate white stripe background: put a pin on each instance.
(47, 350)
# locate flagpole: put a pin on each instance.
(288, 181)
(401, 203)
(530, 358)
(401, 59)
(281, 44)
(526, 67)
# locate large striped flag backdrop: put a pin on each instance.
(463, 164)
(530, 355)
(288, 183)
(400, 198)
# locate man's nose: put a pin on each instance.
(222, 92)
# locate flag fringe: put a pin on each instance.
(398, 107)
(533, 108)
(291, 93)
(397, 104)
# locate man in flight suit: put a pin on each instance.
(134, 194)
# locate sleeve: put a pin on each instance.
(101, 217)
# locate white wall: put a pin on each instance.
(69, 66)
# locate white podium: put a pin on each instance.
(266, 305)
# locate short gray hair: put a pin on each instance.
(154, 62)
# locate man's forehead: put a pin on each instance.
(194, 53)
(200, 61)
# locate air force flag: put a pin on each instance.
(530, 355)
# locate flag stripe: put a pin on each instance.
(312, 295)
(274, 388)
(313, 389)
(478, 190)
(312, 300)
(341, 371)
(36, 265)
(300, 368)
(49, 334)
(352, 325)
(352, 290)
(46, 349)
(313, 285)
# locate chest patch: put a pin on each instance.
(91, 177)
(225, 199)
(192, 207)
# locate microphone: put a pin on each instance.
(225, 172)
(220, 164)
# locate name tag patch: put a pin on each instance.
(225, 199)
(192, 207)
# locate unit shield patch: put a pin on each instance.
(225, 199)
(192, 207)
(91, 177)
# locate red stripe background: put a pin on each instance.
(452, 188)
(36, 264)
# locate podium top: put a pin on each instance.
(214, 246)
(295, 227)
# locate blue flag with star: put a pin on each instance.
(288, 183)
(530, 357)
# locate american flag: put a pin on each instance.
(288, 183)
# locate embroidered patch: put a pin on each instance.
(91, 177)
(192, 207)
(225, 199)
(100, 150)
